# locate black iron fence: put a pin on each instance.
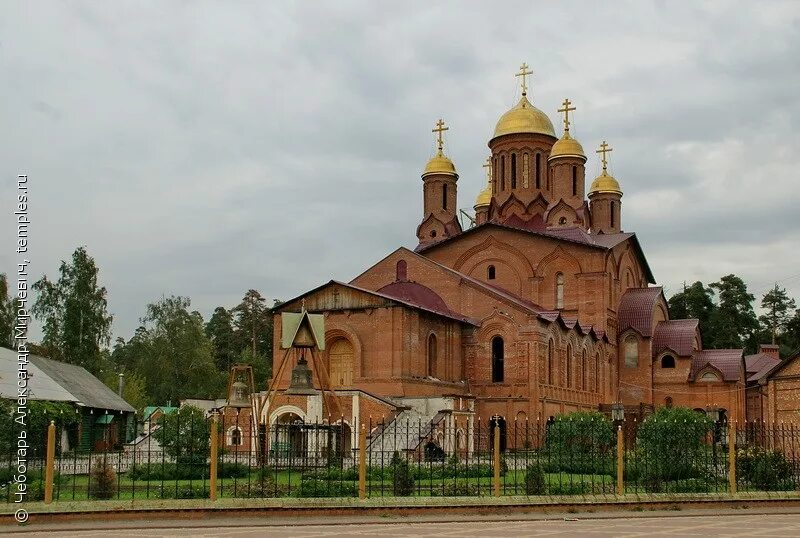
(178, 456)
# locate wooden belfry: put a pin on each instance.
(303, 333)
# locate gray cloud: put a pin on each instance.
(202, 149)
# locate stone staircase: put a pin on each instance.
(404, 431)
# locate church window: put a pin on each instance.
(444, 196)
(498, 358)
(502, 172)
(709, 376)
(631, 352)
(562, 221)
(560, 290)
(495, 172)
(550, 364)
(668, 361)
(538, 170)
(574, 181)
(433, 233)
(490, 273)
(613, 214)
(432, 356)
(597, 372)
(513, 170)
(401, 271)
(569, 366)
(234, 436)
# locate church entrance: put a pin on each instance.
(341, 354)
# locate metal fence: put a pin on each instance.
(442, 458)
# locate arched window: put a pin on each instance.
(490, 272)
(569, 366)
(495, 172)
(668, 361)
(559, 290)
(502, 172)
(584, 365)
(497, 359)
(562, 221)
(432, 355)
(234, 436)
(401, 271)
(597, 381)
(513, 170)
(613, 214)
(550, 364)
(709, 376)
(433, 233)
(538, 170)
(631, 352)
(444, 196)
(574, 181)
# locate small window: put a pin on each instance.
(433, 233)
(574, 181)
(495, 173)
(562, 221)
(613, 214)
(513, 170)
(498, 358)
(709, 376)
(668, 361)
(584, 371)
(502, 172)
(444, 196)
(401, 271)
(550, 362)
(559, 290)
(569, 366)
(631, 352)
(490, 272)
(538, 170)
(432, 356)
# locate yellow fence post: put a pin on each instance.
(49, 466)
(496, 459)
(620, 461)
(362, 462)
(732, 457)
(212, 482)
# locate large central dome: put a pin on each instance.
(524, 118)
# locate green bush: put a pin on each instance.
(535, 483)
(233, 470)
(402, 480)
(767, 470)
(168, 471)
(324, 488)
(670, 444)
(579, 442)
(6, 475)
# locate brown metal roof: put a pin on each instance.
(636, 310)
(727, 361)
(677, 335)
(759, 365)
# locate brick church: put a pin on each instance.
(543, 304)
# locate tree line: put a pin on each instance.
(176, 354)
(173, 354)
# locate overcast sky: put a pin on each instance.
(204, 148)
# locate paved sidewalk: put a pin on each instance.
(767, 522)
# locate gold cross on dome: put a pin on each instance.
(439, 129)
(488, 166)
(524, 71)
(566, 110)
(603, 150)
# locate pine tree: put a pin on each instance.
(779, 309)
(734, 323)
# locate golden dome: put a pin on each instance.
(484, 197)
(439, 164)
(524, 118)
(566, 146)
(605, 184)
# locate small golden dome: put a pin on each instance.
(524, 118)
(439, 164)
(605, 184)
(567, 147)
(484, 197)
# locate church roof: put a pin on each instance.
(677, 335)
(636, 310)
(758, 365)
(574, 235)
(406, 296)
(727, 362)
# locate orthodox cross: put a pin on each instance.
(439, 129)
(524, 71)
(566, 110)
(603, 150)
(488, 166)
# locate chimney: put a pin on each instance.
(121, 384)
(769, 349)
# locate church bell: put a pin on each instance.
(301, 384)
